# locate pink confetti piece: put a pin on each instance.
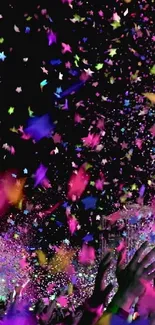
(50, 287)
(72, 223)
(152, 130)
(92, 140)
(139, 143)
(70, 271)
(146, 301)
(66, 48)
(87, 255)
(63, 301)
(51, 209)
(67, 1)
(78, 183)
(121, 246)
(114, 217)
(23, 263)
(99, 184)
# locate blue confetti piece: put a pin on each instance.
(65, 205)
(55, 62)
(72, 89)
(27, 30)
(60, 224)
(78, 149)
(88, 238)
(73, 72)
(124, 234)
(89, 202)
(39, 127)
(73, 279)
(43, 83)
(59, 90)
(126, 102)
(26, 212)
(133, 220)
(152, 237)
(142, 191)
(143, 58)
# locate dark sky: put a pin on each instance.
(113, 45)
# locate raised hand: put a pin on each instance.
(94, 306)
(130, 278)
(101, 293)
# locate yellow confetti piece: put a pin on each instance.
(70, 289)
(14, 130)
(61, 261)
(134, 187)
(16, 236)
(14, 192)
(1, 40)
(20, 204)
(87, 166)
(150, 96)
(41, 257)
(127, 1)
(123, 198)
(149, 182)
(29, 18)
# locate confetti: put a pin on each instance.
(39, 127)
(77, 134)
(87, 255)
(77, 183)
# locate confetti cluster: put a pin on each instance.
(14, 267)
(77, 125)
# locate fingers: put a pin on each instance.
(104, 263)
(150, 268)
(133, 263)
(106, 258)
(106, 292)
(147, 258)
(101, 296)
(120, 259)
(151, 276)
(101, 272)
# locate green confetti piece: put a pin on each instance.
(116, 24)
(77, 57)
(28, 18)
(99, 66)
(30, 112)
(152, 70)
(11, 110)
(1, 40)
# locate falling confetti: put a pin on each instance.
(77, 128)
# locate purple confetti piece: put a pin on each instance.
(142, 191)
